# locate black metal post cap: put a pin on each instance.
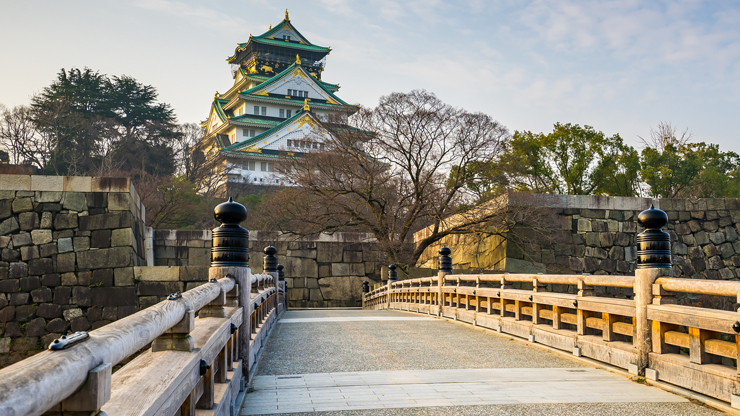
(281, 274)
(392, 274)
(445, 261)
(653, 244)
(230, 242)
(230, 212)
(270, 263)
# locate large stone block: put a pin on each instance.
(49, 311)
(10, 225)
(22, 205)
(121, 219)
(122, 237)
(23, 239)
(17, 270)
(38, 267)
(57, 325)
(62, 295)
(199, 256)
(41, 295)
(28, 221)
(158, 288)
(119, 201)
(81, 243)
(357, 269)
(41, 236)
(47, 183)
(352, 257)
(193, 273)
(299, 267)
(74, 201)
(157, 274)
(123, 276)
(102, 277)
(329, 252)
(65, 263)
(106, 257)
(110, 184)
(15, 182)
(81, 296)
(344, 288)
(65, 221)
(114, 296)
(340, 269)
(307, 253)
(29, 252)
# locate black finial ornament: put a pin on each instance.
(230, 240)
(281, 274)
(392, 274)
(365, 287)
(445, 261)
(653, 244)
(271, 263)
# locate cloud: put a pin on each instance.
(212, 19)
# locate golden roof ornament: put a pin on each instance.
(297, 59)
(287, 19)
(305, 105)
(270, 27)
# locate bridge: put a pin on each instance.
(448, 344)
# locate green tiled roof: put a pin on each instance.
(282, 74)
(261, 136)
(263, 78)
(218, 104)
(279, 26)
(247, 118)
(294, 45)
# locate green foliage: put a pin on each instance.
(178, 204)
(95, 122)
(691, 170)
(571, 160)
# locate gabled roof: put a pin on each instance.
(267, 39)
(262, 78)
(256, 139)
(294, 67)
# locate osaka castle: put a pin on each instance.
(272, 111)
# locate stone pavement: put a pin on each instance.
(352, 362)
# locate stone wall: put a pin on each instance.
(69, 247)
(596, 235)
(324, 271)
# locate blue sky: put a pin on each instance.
(621, 66)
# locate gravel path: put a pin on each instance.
(349, 346)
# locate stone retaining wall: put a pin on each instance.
(324, 271)
(597, 235)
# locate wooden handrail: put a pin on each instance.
(51, 376)
(701, 287)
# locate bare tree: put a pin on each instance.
(667, 134)
(18, 134)
(190, 135)
(395, 169)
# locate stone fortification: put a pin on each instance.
(321, 271)
(596, 234)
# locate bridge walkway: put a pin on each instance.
(364, 362)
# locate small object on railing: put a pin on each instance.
(736, 327)
(454, 290)
(653, 244)
(530, 298)
(474, 293)
(176, 295)
(445, 261)
(204, 367)
(392, 275)
(270, 263)
(228, 276)
(67, 341)
(233, 328)
(575, 303)
(365, 287)
(281, 274)
(230, 240)
(213, 280)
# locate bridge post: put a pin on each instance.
(271, 267)
(230, 257)
(653, 261)
(392, 278)
(445, 268)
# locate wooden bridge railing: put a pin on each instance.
(645, 331)
(200, 346)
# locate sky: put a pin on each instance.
(620, 66)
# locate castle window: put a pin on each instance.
(289, 142)
(250, 165)
(282, 113)
(257, 110)
(290, 92)
(287, 113)
(263, 167)
(264, 111)
(245, 132)
(251, 133)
